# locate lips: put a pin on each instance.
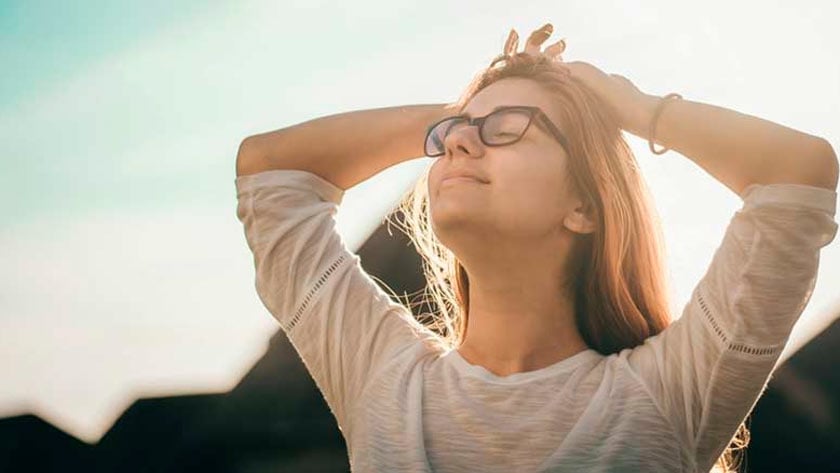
(465, 174)
(459, 179)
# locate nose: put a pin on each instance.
(464, 140)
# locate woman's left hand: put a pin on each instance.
(631, 106)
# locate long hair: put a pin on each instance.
(616, 274)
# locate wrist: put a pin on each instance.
(639, 123)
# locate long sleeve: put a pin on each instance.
(344, 327)
(707, 369)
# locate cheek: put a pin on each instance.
(530, 198)
(432, 179)
(432, 175)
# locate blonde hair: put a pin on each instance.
(619, 285)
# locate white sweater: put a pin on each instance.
(671, 404)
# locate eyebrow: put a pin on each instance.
(497, 107)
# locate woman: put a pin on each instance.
(553, 349)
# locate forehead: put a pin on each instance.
(511, 91)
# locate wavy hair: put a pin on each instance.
(616, 274)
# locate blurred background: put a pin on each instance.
(131, 335)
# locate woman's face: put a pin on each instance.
(523, 199)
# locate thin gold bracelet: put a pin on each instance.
(656, 114)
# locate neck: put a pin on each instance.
(519, 330)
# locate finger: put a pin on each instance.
(538, 37)
(555, 49)
(512, 43)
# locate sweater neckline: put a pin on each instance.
(567, 364)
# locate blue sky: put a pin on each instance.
(43, 41)
(125, 272)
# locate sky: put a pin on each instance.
(124, 272)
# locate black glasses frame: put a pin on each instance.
(532, 112)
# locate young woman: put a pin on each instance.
(553, 349)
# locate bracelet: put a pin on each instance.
(656, 114)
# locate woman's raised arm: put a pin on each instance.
(735, 148)
(345, 148)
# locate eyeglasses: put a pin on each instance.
(503, 126)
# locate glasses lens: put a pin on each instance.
(505, 126)
(500, 128)
(434, 140)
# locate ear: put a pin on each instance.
(580, 220)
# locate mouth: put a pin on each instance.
(459, 180)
